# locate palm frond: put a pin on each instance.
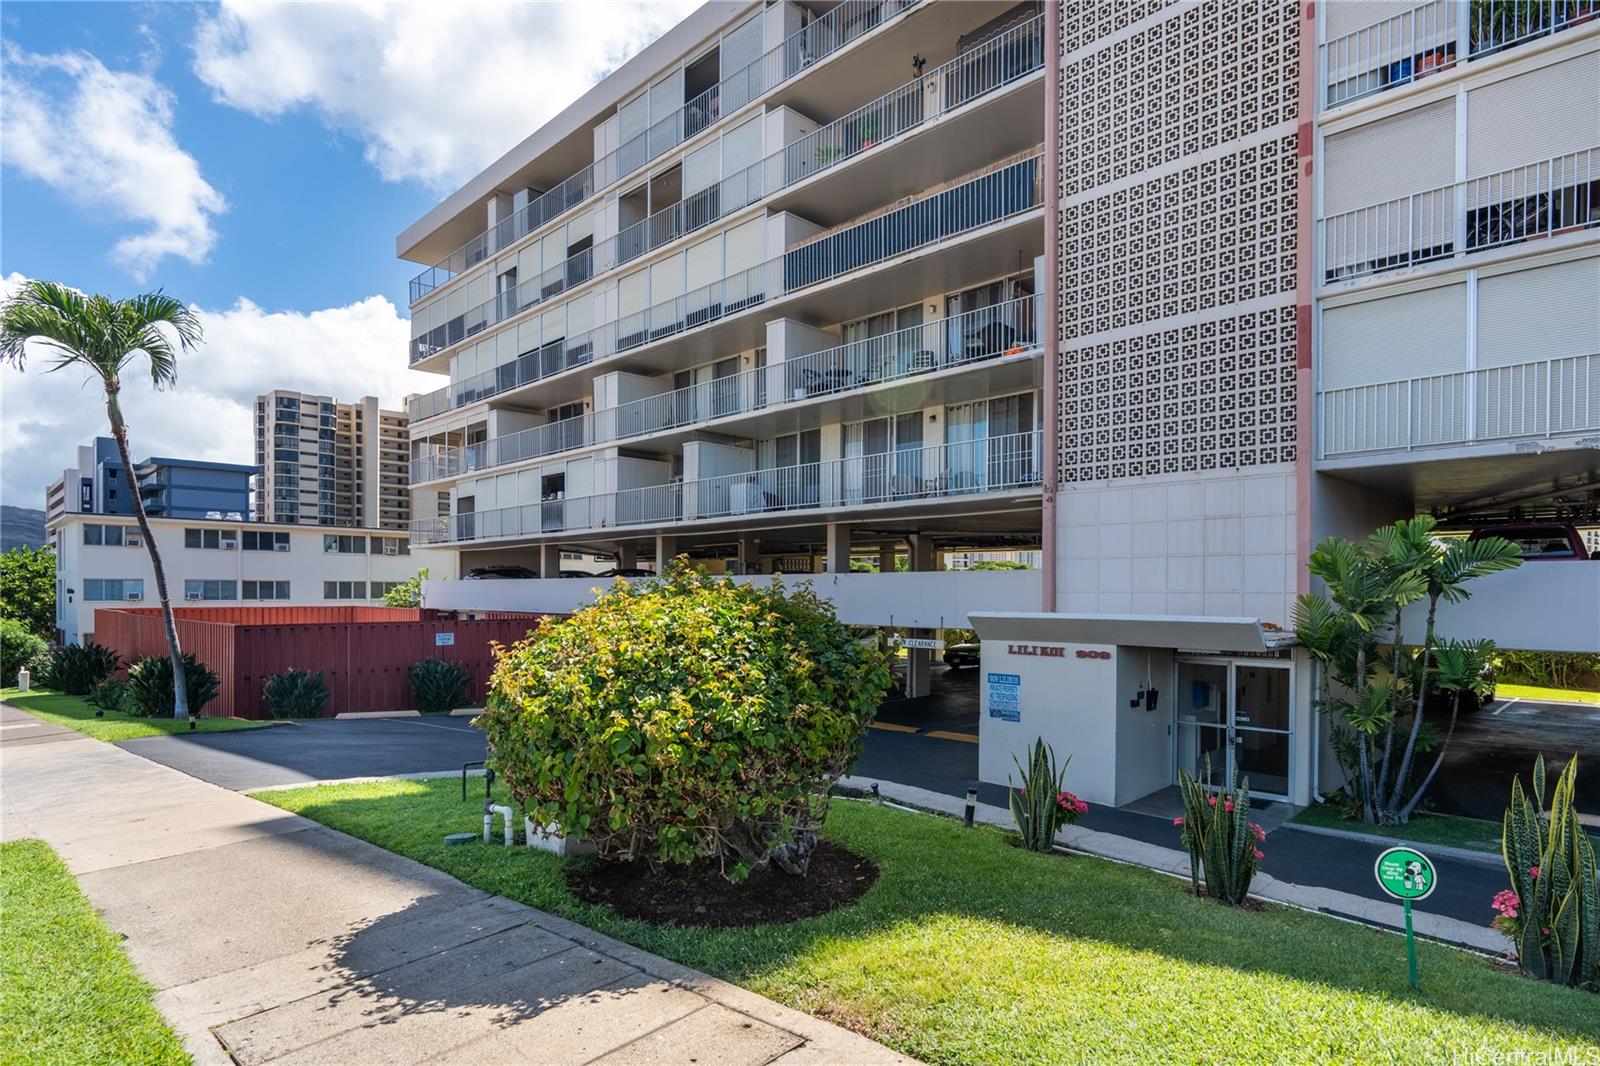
(54, 314)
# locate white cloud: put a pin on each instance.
(104, 139)
(349, 352)
(436, 92)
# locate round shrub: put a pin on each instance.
(77, 668)
(110, 695)
(150, 685)
(19, 647)
(439, 686)
(295, 694)
(686, 717)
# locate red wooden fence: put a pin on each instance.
(363, 653)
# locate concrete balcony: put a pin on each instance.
(964, 474)
(918, 357)
(928, 600)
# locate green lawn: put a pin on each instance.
(73, 713)
(968, 950)
(1534, 692)
(1450, 830)
(67, 992)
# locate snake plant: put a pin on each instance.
(1551, 862)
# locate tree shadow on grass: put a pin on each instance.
(934, 871)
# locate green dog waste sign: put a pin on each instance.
(1406, 874)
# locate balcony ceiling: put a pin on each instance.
(1484, 479)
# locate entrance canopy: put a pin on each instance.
(1220, 634)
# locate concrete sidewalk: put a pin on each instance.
(271, 938)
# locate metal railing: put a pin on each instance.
(1004, 329)
(1430, 37)
(1520, 204)
(823, 36)
(1536, 399)
(993, 464)
(1014, 54)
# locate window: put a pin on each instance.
(94, 534)
(264, 541)
(111, 536)
(392, 545)
(207, 589)
(380, 589)
(344, 590)
(266, 590)
(212, 539)
(113, 588)
(339, 544)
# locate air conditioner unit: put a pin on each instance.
(283, 547)
(131, 541)
(135, 595)
(191, 595)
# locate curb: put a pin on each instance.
(1484, 858)
(348, 716)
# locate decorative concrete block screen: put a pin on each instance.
(1178, 237)
(364, 653)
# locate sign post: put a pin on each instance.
(1406, 874)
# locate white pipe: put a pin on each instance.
(1316, 730)
(488, 821)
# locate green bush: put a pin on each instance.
(295, 694)
(1553, 915)
(438, 685)
(110, 695)
(77, 668)
(1549, 669)
(150, 692)
(19, 647)
(686, 716)
(1043, 805)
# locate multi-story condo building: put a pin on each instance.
(174, 488)
(322, 462)
(1163, 290)
(101, 562)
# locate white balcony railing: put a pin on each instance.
(1011, 55)
(1538, 200)
(1524, 400)
(968, 468)
(1005, 329)
(823, 36)
(1432, 36)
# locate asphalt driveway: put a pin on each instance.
(1493, 745)
(325, 749)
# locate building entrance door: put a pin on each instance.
(1235, 714)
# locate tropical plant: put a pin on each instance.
(1555, 669)
(295, 694)
(28, 588)
(685, 717)
(1377, 684)
(1554, 909)
(1223, 842)
(407, 593)
(77, 668)
(1042, 806)
(19, 647)
(103, 337)
(110, 695)
(150, 689)
(439, 685)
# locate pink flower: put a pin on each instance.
(1507, 903)
(1228, 806)
(1211, 800)
(1534, 873)
(1259, 833)
(1079, 806)
(1177, 821)
(1260, 854)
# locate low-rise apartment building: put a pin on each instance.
(176, 488)
(101, 561)
(1164, 291)
(323, 462)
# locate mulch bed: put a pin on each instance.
(700, 895)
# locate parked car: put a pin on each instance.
(958, 656)
(487, 573)
(627, 571)
(1539, 540)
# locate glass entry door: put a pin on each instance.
(1235, 713)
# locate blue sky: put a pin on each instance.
(257, 161)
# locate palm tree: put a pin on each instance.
(103, 336)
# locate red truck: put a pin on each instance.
(1538, 541)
